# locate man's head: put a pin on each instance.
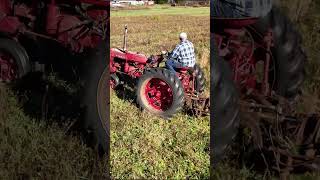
(183, 36)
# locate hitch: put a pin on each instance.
(197, 105)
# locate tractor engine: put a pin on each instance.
(130, 63)
(130, 68)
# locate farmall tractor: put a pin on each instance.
(258, 69)
(158, 90)
(66, 37)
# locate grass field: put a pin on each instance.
(144, 146)
(32, 149)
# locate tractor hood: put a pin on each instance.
(128, 55)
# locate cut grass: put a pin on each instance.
(145, 146)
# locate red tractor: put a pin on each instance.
(60, 36)
(158, 90)
(251, 56)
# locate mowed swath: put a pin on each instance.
(145, 146)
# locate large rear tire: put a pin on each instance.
(160, 85)
(224, 121)
(288, 54)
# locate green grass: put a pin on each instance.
(162, 10)
(145, 146)
(32, 149)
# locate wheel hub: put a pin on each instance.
(159, 94)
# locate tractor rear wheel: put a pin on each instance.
(160, 92)
(95, 99)
(224, 121)
(200, 81)
(288, 54)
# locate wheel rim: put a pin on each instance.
(8, 67)
(159, 94)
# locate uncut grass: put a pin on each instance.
(30, 149)
(145, 146)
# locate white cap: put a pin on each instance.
(183, 36)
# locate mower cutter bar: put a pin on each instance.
(288, 141)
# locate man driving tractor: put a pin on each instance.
(183, 54)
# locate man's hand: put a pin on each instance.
(166, 53)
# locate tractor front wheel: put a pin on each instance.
(160, 92)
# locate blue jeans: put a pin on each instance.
(173, 64)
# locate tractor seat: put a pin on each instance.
(185, 69)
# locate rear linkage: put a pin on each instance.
(198, 105)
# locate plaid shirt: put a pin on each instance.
(240, 8)
(184, 53)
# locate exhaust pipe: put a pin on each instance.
(125, 38)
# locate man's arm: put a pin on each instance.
(175, 52)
